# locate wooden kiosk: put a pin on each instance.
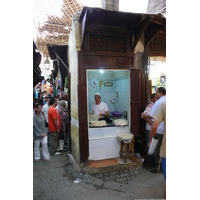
(109, 40)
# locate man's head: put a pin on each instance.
(161, 91)
(38, 108)
(47, 99)
(53, 102)
(154, 97)
(97, 98)
(61, 104)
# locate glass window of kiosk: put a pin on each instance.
(114, 87)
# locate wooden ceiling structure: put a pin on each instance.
(52, 22)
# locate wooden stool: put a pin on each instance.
(126, 139)
(132, 149)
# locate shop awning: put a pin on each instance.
(36, 69)
(60, 52)
(138, 23)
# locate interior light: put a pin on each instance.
(101, 71)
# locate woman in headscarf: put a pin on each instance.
(63, 120)
(39, 131)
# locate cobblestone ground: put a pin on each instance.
(54, 180)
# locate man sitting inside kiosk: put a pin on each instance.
(100, 108)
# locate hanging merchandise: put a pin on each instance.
(60, 77)
(66, 91)
(51, 90)
(58, 85)
(36, 93)
(66, 82)
(58, 82)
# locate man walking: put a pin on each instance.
(54, 125)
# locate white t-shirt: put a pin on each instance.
(45, 109)
(158, 112)
(160, 129)
(101, 108)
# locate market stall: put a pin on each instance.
(107, 55)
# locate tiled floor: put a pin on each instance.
(107, 162)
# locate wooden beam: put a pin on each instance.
(62, 61)
(152, 31)
(139, 31)
(83, 27)
(158, 19)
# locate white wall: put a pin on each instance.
(74, 44)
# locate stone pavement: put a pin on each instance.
(54, 180)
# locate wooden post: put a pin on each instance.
(125, 152)
(121, 149)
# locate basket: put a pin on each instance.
(117, 114)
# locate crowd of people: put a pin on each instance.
(51, 121)
(155, 117)
(50, 126)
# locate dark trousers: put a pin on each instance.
(147, 138)
(54, 142)
(156, 155)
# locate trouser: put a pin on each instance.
(156, 153)
(66, 139)
(147, 137)
(45, 152)
(164, 167)
(61, 144)
(54, 142)
(48, 135)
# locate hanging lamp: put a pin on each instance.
(46, 61)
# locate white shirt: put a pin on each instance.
(101, 108)
(160, 129)
(147, 110)
(45, 109)
(158, 112)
